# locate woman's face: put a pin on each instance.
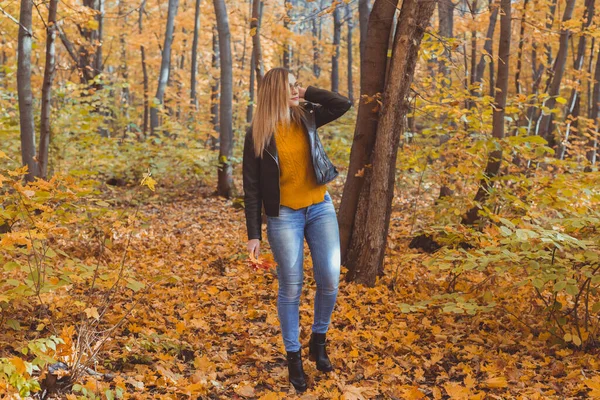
(294, 92)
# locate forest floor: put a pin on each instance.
(214, 333)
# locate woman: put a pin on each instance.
(286, 169)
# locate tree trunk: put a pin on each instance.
(363, 20)
(595, 114)
(315, 43)
(545, 122)
(446, 30)
(335, 57)
(250, 108)
(125, 98)
(88, 64)
(193, 95)
(538, 72)
(589, 81)
(49, 70)
(350, 26)
(98, 64)
(144, 73)
(287, 57)
(394, 18)
(255, 22)
(214, 90)
(3, 62)
(488, 49)
(372, 80)
(24, 91)
(495, 157)
(225, 177)
(549, 22)
(474, 8)
(366, 256)
(165, 65)
(518, 86)
(573, 105)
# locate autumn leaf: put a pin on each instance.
(456, 391)
(245, 391)
(351, 392)
(148, 181)
(413, 393)
(257, 263)
(594, 385)
(496, 382)
(19, 364)
(92, 312)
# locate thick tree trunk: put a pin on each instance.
(165, 65)
(363, 20)
(573, 105)
(255, 22)
(49, 70)
(446, 30)
(335, 57)
(350, 75)
(372, 80)
(24, 91)
(544, 128)
(225, 177)
(495, 157)
(488, 49)
(366, 257)
(595, 114)
(193, 84)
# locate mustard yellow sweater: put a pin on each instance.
(297, 180)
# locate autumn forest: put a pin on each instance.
(468, 198)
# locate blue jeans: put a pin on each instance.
(286, 233)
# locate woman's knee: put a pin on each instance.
(290, 291)
(329, 287)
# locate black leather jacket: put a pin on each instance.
(261, 175)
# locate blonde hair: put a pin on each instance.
(272, 108)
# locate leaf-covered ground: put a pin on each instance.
(214, 334)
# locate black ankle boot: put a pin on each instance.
(317, 352)
(297, 378)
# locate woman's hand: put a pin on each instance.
(253, 247)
